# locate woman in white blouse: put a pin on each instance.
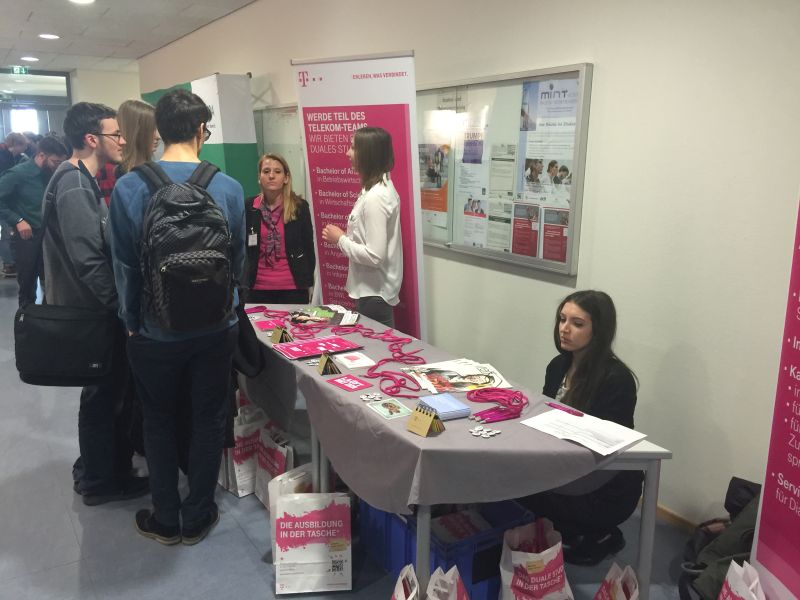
(372, 242)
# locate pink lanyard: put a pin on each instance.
(392, 383)
(510, 404)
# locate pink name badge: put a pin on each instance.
(349, 383)
(268, 325)
(255, 309)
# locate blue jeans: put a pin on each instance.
(161, 368)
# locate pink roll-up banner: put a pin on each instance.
(337, 96)
(777, 542)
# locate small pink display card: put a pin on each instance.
(349, 383)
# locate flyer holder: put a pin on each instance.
(326, 365)
(280, 335)
(424, 422)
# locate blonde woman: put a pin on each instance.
(137, 123)
(280, 250)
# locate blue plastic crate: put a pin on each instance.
(392, 541)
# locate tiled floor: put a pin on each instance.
(52, 546)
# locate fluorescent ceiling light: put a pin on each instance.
(49, 36)
(82, 1)
(7, 91)
(19, 81)
(29, 58)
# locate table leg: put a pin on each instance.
(324, 472)
(423, 566)
(314, 461)
(647, 530)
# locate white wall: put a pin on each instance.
(690, 197)
(106, 87)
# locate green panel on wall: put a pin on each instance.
(239, 161)
(153, 97)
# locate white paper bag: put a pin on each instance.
(446, 586)
(314, 543)
(406, 587)
(532, 564)
(274, 457)
(296, 481)
(619, 584)
(741, 583)
(243, 457)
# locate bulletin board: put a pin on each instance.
(501, 165)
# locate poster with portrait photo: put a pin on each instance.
(475, 223)
(525, 240)
(555, 228)
(433, 168)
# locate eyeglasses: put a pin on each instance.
(206, 132)
(117, 136)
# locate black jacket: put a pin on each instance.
(615, 399)
(298, 246)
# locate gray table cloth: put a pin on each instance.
(393, 469)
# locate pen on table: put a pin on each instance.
(566, 409)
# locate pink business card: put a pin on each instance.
(349, 383)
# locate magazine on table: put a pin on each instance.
(460, 375)
(329, 315)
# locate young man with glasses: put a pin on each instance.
(78, 272)
(21, 191)
(169, 363)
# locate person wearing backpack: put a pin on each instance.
(178, 247)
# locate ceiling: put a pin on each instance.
(108, 35)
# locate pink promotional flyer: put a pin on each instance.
(337, 97)
(777, 551)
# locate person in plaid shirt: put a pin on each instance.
(106, 178)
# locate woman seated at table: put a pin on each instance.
(280, 248)
(588, 376)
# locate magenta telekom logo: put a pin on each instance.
(302, 78)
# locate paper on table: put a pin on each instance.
(603, 437)
(354, 360)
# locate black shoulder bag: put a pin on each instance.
(62, 345)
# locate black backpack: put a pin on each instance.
(187, 277)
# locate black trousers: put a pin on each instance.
(28, 267)
(376, 308)
(595, 513)
(164, 371)
(104, 428)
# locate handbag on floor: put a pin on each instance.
(62, 345)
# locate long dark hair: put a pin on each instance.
(374, 155)
(598, 355)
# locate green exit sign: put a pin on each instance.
(19, 70)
